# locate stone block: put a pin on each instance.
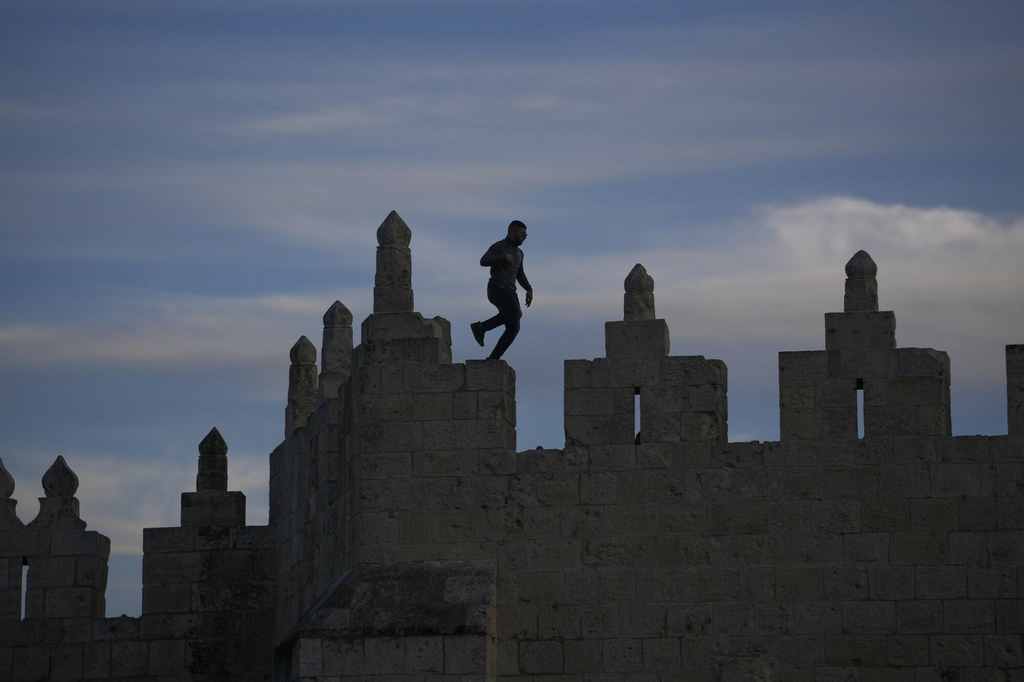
(633, 372)
(166, 656)
(483, 435)
(558, 622)
(583, 656)
(933, 514)
(661, 654)
(798, 584)
(52, 572)
(817, 617)
(77, 542)
(908, 650)
(734, 619)
(435, 435)
(432, 378)
(860, 330)
(970, 615)
(955, 480)
(845, 582)
(941, 582)
(213, 508)
(802, 367)
(855, 650)
(173, 598)
(589, 401)
(1004, 651)
(689, 620)
(156, 540)
(489, 375)
(636, 339)
(609, 429)
(576, 374)
(794, 396)
(702, 427)
(465, 655)
(31, 663)
(957, 650)
(918, 548)
(72, 602)
(865, 363)
(991, 583)
(179, 567)
(623, 655)
(903, 481)
(66, 662)
(917, 391)
(129, 659)
(799, 424)
(891, 583)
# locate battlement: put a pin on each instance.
(409, 540)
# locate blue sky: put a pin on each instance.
(186, 187)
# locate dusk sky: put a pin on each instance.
(186, 187)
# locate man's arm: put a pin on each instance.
(494, 256)
(521, 278)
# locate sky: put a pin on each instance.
(186, 188)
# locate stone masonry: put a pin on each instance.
(409, 541)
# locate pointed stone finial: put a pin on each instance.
(8, 516)
(336, 360)
(213, 463)
(212, 504)
(638, 301)
(303, 352)
(392, 291)
(6, 482)
(338, 316)
(861, 284)
(393, 231)
(59, 480)
(301, 385)
(59, 509)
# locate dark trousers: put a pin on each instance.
(509, 312)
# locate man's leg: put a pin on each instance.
(509, 312)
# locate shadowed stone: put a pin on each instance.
(301, 385)
(638, 301)
(6, 482)
(213, 463)
(59, 509)
(392, 291)
(59, 480)
(212, 504)
(861, 284)
(336, 359)
(8, 516)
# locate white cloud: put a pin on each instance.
(169, 330)
(770, 276)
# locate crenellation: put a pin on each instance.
(410, 540)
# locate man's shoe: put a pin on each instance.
(478, 333)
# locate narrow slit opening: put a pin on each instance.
(860, 408)
(24, 585)
(636, 415)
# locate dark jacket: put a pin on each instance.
(502, 272)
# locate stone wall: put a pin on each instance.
(410, 541)
(208, 594)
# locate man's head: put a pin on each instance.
(517, 232)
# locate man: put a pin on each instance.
(505, 259)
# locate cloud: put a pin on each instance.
(769, 276)
(167, 330)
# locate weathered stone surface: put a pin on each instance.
(408, 539)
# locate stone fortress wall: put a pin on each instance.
(408, 541)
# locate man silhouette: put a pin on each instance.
(505, 259)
